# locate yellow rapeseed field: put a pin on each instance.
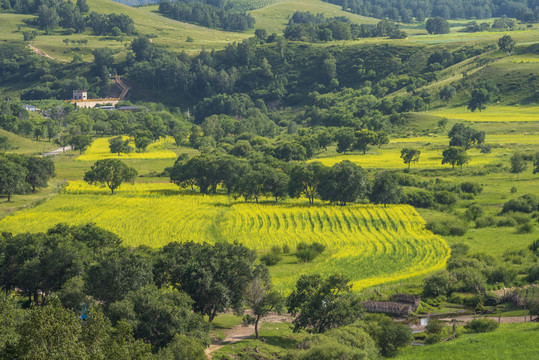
(389, 158)
(371, 244)
(492, 113)
(100, 150)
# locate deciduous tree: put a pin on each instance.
(111, 173)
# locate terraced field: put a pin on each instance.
(100, 150)
(370, 244)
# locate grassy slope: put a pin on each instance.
(274, 17)
(27, 146)
(515, 341)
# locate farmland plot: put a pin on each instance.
(370, 244)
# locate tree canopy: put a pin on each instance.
(111, 173)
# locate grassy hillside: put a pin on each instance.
(515, 341)
(27, 146)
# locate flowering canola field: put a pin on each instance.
(493, 113)
(100, 150)
(369, 243)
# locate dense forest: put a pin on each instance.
(408, 10)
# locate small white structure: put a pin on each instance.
(80, 95)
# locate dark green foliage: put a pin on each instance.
(437, 25)
(409, 155)
(418, 197)
(526, 203)
(385, 190)
(533, 274)
(206, 14)
(308, 252)
(390, 336)
(273, 257)
(215, 276)
(473, 212)
(445, 197)
(12, 178)
(323, 304)
(518, 164)
(465, 137)
(471, 188)
(441, 283)
(455, 156)
(481, 325)
(345, 182)
(117, 145)
(447, 228)
(506, 43)
(159, 315)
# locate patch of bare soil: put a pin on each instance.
(40, 52)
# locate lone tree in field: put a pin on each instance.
(12, 178)
(437, 25)
(507, 44)
(117, 145)
(455, 156)
(323, 304)
(80, 142)
(260, 297)
(464, 136)
(111, 173)
(479, 98)
(40, 170)
(518, 164)
(409, 155)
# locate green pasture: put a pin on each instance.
(509, 341)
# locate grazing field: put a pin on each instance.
(493, 113)
(100, 150)
(510, 341)
(371, 244)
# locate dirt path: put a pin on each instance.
(239, 333)
(56, 151)
(40, 52)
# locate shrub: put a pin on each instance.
(445, 198)
(273, 257)
(481, 325)
(534, 246)
(533, 274)
(526, 228)
(473, 212)
(446, 228)
(440, 283)
(484, 222)
(470, 279)
(435, 326)
(520, 218)
(418, 197)
(286, 249)
(513, 189)
(506, 221)
(307, 252)
(433, 339)
(501, 274)
(459, 249)
(525, 203)
(471, 188)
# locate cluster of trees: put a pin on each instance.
(342, 183)
(90, 296)
(418, 10)
(51, 14)
(207, 13)
(20, 174)
(474, 274)
(305, 26)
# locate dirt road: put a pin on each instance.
(240, 332)
(40, 52)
